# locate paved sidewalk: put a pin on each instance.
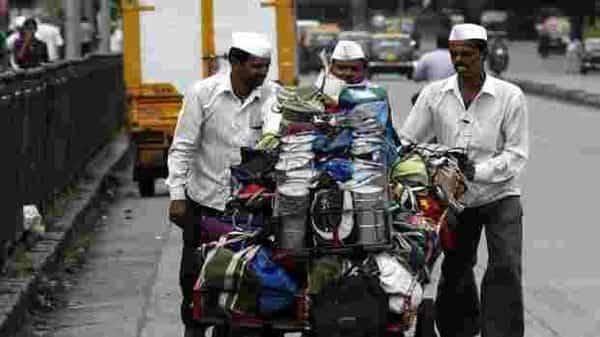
(573, 88)
(17, 293)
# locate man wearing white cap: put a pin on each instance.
(348, 66)
(487, 117)
(220, 114)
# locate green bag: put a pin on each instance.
(322, 272)
(410, 169)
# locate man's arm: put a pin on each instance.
(418, 126)
(511, 161)
(185, 141)
(420, 69)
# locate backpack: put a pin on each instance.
(353, 305)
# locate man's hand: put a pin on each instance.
(177, 210)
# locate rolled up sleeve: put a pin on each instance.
(185, 141)
(512, 160)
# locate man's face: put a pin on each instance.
(29, 29)
(466, 58)
(254, 71)
(350, 72)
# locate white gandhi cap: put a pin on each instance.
(347, 51)
(253, 43)
(467, 31)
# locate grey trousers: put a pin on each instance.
(499, 312)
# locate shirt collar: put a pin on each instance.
(226, 86)
(488, 87)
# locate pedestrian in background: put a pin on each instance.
(87, 36)
(220, 115)
(573, 56)
(116, 38)
(488, 118)
(434, 65)
(29, 51)
(50, 34)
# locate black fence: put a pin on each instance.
(52, 120)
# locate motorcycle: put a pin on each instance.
(498, 55)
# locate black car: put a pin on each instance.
(590, 59)
(391, 52)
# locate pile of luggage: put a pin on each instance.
(335, 226)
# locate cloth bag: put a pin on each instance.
(277, 289)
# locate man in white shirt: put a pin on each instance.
(220, 114)
(487, 117)
(50, 34)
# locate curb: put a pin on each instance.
(552, 91)
(16, 294)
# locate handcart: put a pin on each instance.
(297, 319)
(380, 222)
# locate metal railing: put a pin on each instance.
(52, 120)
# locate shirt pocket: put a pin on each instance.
(488, 132)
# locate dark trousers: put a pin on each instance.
(499, 312)
(190, 268)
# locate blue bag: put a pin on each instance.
(277, 288)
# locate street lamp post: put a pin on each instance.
(73, 28)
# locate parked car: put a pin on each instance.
(404, 25)
(591, 55)
(391, 52)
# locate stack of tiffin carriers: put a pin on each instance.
(331, 165)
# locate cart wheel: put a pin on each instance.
(426, 319)
(146, 187)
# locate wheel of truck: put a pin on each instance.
(426, 319)
(146, 187)
(583, 70)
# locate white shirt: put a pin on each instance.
(434, 65)
(493, 130)
(51, 36)
(213, 125)
(116, 41)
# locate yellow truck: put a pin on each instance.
(164, 53)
